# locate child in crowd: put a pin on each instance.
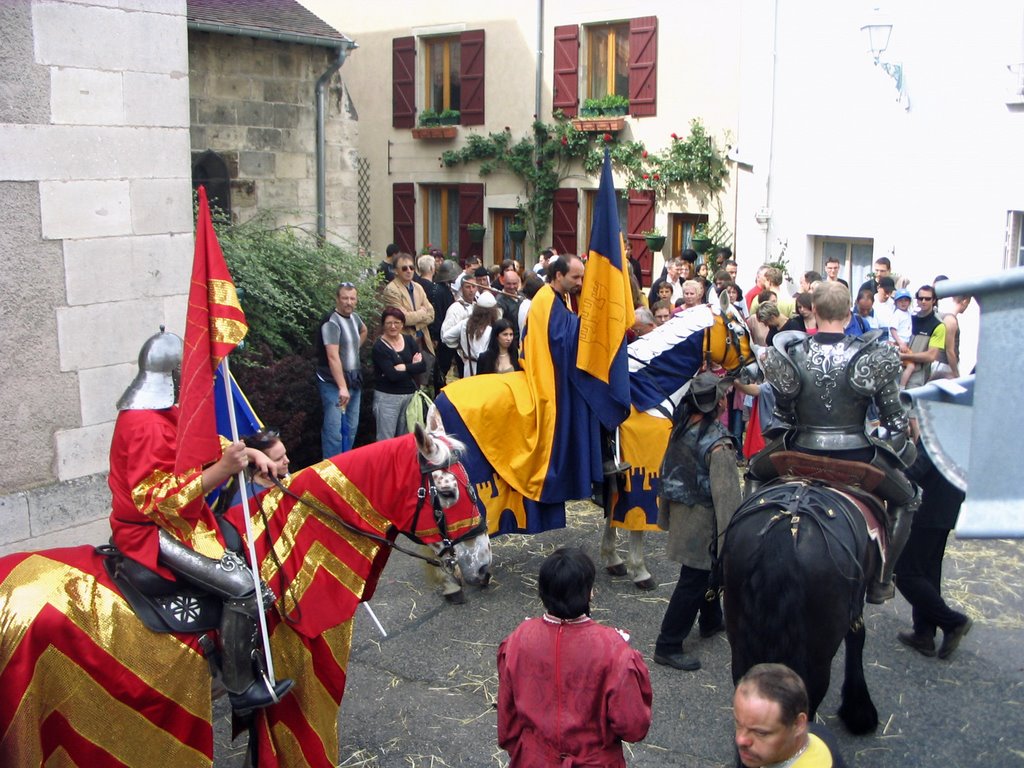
(900, 324)
(570, 690)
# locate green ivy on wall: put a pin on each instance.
(691, 164)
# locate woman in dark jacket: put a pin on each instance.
(502, 355)
(396, 361)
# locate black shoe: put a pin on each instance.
(705, 633)
(681, 661)
(951, 638)
(921, 643)
(611, 467)
(257, 696)
(879, 593)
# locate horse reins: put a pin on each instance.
(426, 487)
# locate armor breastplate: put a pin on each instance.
(685, 473)
(829, 386)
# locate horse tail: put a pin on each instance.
(773, 604)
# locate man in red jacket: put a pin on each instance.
(570, 690)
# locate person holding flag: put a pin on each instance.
(536, 432)
(164, 458)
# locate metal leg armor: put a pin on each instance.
(243, 668)
(882, 589)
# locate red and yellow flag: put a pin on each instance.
(214, 325)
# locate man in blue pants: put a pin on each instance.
(338, 372)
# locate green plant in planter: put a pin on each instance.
(614, 105)
(591, 108)
(701, 240)
(476, 232)
(429, 117)
(450, 117)
(516, 231)
(655, 239)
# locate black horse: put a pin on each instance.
(796, 559)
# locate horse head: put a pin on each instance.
(462, 546)
(727, 340)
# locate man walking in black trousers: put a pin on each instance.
(919, 569)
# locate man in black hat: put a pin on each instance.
(698, 492)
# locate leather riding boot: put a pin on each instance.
(242, 669)
(882, 589)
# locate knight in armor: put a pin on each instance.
(161, 519)
(824, 385)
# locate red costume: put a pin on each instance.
(147, 494)
(569, 693)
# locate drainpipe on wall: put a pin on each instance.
(321, 140)
(540, 58)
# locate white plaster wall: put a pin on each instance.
(931, 186)
(108, 162)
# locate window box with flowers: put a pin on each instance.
(605, 114)
(436, 126)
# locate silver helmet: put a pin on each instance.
(156, 385)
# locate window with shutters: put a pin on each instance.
(441, 68)
(438, 73)
(613, 58)
(607, 60)
(441, 216)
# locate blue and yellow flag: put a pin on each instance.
(606, 311)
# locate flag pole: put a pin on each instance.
(249, 537)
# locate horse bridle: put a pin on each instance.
(427, 488)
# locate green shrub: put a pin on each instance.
(286, 282)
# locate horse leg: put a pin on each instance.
(609, 555)
(635, 562)
(857, 711)
(451, 588)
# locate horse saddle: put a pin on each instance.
(162, 605)
(855, 474)
(854, 480)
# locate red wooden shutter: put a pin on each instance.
(566, 96)
(403, 82)
(640, 218)
(643, 66)
(471, 211)
(564, 214)
(471, 75)
(404, 206)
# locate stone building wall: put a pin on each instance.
(97, 238)
(252, 102)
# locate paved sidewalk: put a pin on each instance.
(424, 696)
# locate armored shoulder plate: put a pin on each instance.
(873, 366)
(779, 369)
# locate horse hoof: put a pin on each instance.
(456, 598)
(617, 570)
(646, 585)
